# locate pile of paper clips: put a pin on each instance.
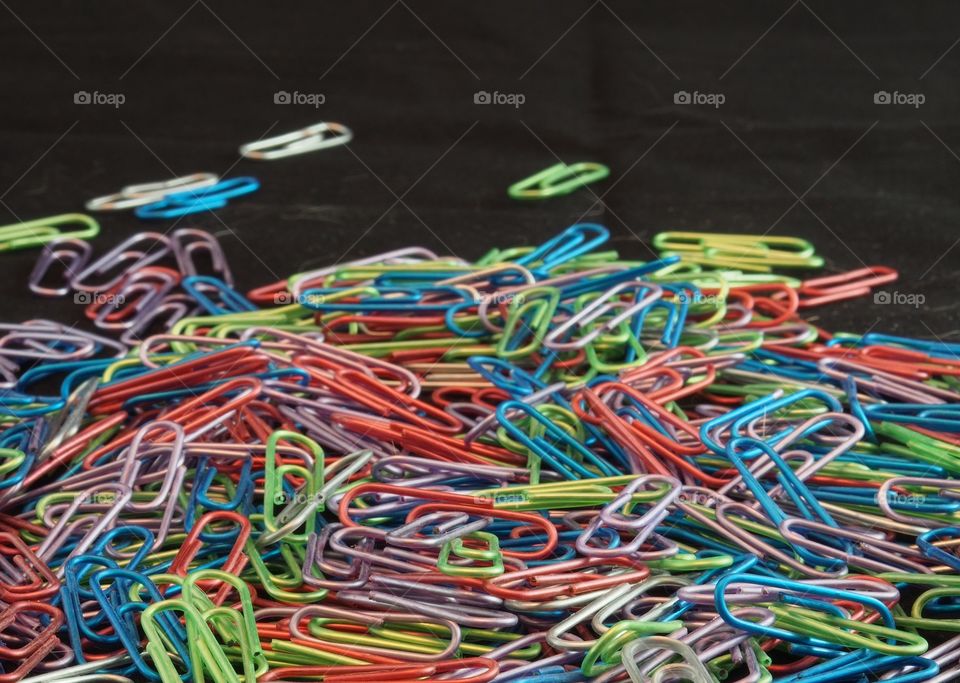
(551, 464)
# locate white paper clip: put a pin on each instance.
(309, 139)
(140, 194)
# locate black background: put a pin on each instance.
(798, 148)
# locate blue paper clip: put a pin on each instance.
(795, 592)
(940, 349)
(73, 595)
(796, 490)
(119, 609)
(605, 282)
(938, 417)
(926, 542)
(850, 666)
(575, 241)
(201, 199)
(406, 299)
(767, 406)
(231, 301)
(550, 446)
(107, 544)
(505, 375)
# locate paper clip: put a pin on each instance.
(816, 622)
(757, 253)
(126, 303)
(927, 543)
(939, 417)
(215, 296)
(71, 254)
(132, 254)
(860, 663)
(843, 286)
(36, 646)
(700, 241)
(557, 180)
(43, 230)
(32, 581)
(202, 199)
(575, 241)
(133, 196)
(188, 242)
(310, 139)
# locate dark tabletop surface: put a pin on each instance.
(798, 146)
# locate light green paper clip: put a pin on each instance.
(42, 230)
(557, 180)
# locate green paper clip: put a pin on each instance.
(42, 230)
(490, 555)
(559, 179)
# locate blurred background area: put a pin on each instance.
(835, 122)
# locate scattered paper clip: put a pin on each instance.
(41, 231)
(133, 196)
(745, 252)
(310, 139)
(557, 180)
(200, 199)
